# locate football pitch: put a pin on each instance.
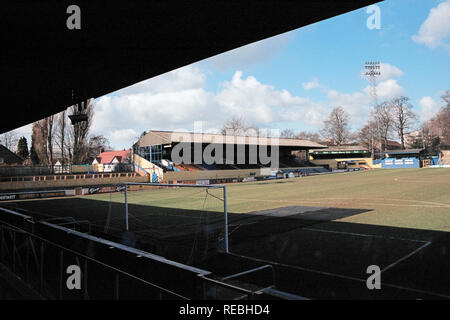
(319, 232)
(409, 198)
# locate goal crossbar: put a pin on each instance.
(212, 186)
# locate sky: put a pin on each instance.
(294, 80)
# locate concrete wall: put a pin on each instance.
(149, 167)
(391, 163)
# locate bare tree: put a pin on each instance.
(287, 133)
(77, 140)
(235, 126)
(50, 132)
(97, 144)
(438, 127)
(39, 142)
(304, 135)
(427, 136)
(61, 133)
(368, 135)
(336, 126)
(9, 139)
(43, 133)
(384, 120)
(404, 118)
(442, 120)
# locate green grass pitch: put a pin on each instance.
(407, 198)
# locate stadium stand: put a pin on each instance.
(187, 167)
(342, 157)
(157, 147)
(208, 166)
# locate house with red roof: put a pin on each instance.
(108, 161)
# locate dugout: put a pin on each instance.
(405, 153)
(406, 158)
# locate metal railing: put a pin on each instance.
(41, 263)
(18, 262)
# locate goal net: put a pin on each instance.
(183, 222)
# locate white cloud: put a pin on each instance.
(311, 85)
(389, 71)
(180, 79)
(429, 108)
(387, 89)
(123, 134)
(357, 104)
(435, 30)
(175, 101)
(360, 104)
(251, 54)
(262, 104)
(123, 116)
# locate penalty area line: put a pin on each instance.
(406, 257)
(332, 274)
(365, 235)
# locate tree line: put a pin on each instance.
(54, 138)
(393, 119)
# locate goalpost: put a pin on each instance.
(207, 188)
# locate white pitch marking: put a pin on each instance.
(345, 277)
(365, 235)
(406, 257)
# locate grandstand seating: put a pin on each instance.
(199, 167)
(308, 171)
(224, 166)
(249, 166)
(187, 167)
(208, 166)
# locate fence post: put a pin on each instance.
(42, 267)
(14, 253)
(27, 258)
(116, 287)
(61, 274)
(126, 207)
(2, 242)
(85, 280)
(225, 207)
